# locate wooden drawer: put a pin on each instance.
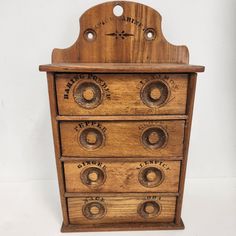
(121, 94)
(121, 209)
(125, 176)
(122, 138)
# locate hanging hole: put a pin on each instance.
(118, 10)
(150, 34)
(90, 35)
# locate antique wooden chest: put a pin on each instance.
(121, 100)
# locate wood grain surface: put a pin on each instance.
(122, 67)
(190, 106)
(121, 100)
(121, 209)
(122, 176)
(123, 117)
(122, 139)
(131, 226)
(56, 139)
(122, 94)
(121, 38)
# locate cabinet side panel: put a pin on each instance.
(56, 139)
(187, 131)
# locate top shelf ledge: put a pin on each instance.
(122, 68)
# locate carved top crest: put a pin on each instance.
(133, 36)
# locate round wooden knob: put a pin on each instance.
(149, 209)
(151, 177)
(93, 177)
(88, 94)
(155, 93)
(94, 210)
(154, 137)
(91, 138)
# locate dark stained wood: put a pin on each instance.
(121, 68)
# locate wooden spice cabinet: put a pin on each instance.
(121, 100)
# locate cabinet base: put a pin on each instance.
(122, 227)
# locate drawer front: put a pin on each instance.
(121, 94)
(125, 176)
(119, 209)
(122, 138)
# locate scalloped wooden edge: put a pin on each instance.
(161, 51)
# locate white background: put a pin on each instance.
(29, 30)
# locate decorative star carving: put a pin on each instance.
(121, 35)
